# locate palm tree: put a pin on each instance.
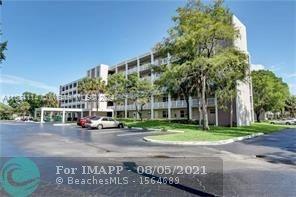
(50, 100)
(92, 87)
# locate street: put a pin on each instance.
(262, 166)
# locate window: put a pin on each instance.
(182, 113)
(82, 106)
(63, 89)
(78, 106)
(212, 111)
(104, 119)
(164, 114)
(70, 86)
(74, 92)
(66, 87)
(111, 119)
(75, 84)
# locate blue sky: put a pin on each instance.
(52, 43)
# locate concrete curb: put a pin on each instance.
(151, 129)
(220, 142)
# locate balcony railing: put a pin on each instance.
(132, 70)
(164, 105)
(145, 67)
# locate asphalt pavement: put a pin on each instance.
(262, 166)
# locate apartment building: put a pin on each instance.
(165, 106)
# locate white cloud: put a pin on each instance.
(10, 79)
(257, 67)
(292, 75)
(292, 87)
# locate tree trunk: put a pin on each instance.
(187, 106)
(258, 116)
(204, 105)
(115, 115)
(231, 112)
(199, 107)
(97, 102)
(140, 113)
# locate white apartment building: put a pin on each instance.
(164, 106)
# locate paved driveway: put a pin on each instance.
(244, 174)
(278, 147)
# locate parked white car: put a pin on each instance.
(103, 122)
(288, 121)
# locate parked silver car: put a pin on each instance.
(103, 122)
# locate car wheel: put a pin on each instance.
(100, 126)
(287, 123)
(120, 126)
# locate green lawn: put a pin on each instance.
(193, 133)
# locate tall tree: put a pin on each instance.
(33, 99)
(232, 68)
(92, 87)
(139, 91)
(3, 47)
(50, 100)
(201, 32)
(173, 80)
(24, 108)
(6, 112)
(291, 105)
(116, 89)
(14, 101)
(269, 92)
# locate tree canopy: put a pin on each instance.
(201, 42)
(269, 92)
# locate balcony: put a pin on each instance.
(132, 70)
(164, 105)
(161, 61)
(145, 67)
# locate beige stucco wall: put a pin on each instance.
(244, 102)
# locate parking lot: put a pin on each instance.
(243, 172)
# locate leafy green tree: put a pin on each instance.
(201, 32)
(173, 80)
(3, 47)
(116, 89)
(50, 100)
(92, 87)
(14, 101)
(6, 112)
(269, 91)
(24, 108)
(232, 67)
(33, 99)
(291, 105)
(139, 91)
